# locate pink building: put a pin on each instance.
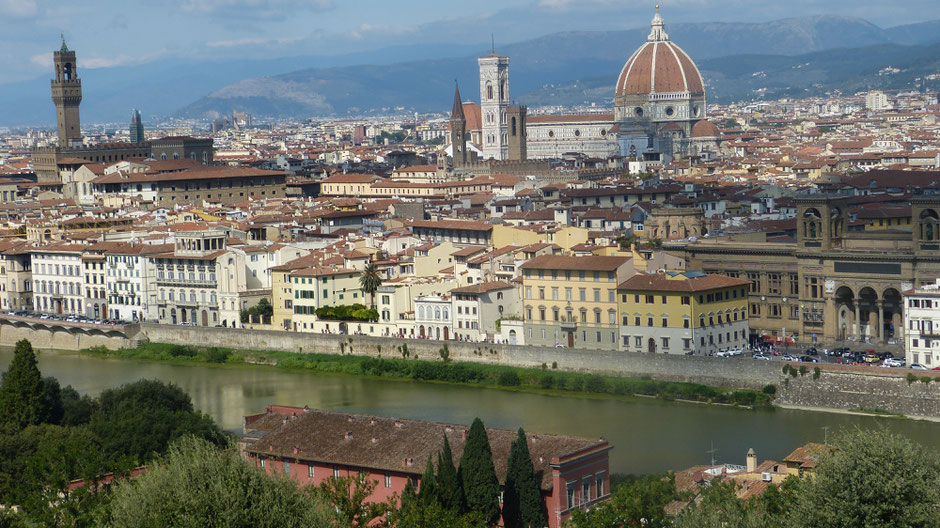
(312, 445)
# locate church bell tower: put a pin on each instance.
(458, 131)
(67, 95)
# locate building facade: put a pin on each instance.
(922, 325)
(573, 472)
(572, 301)
(683, 313)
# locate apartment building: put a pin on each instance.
(58, 278)
(922, 321)
(572, 301)
(479, 308)
(320, 286)
(16, 292)
(186, 284)
(682, 312)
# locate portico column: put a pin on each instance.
(881, 321)
(858, 321)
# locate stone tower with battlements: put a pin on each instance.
(494, 103)
(67, 96)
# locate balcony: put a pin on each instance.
(186, 282)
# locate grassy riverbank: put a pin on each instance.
(531, 379)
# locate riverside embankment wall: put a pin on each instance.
(837, 387)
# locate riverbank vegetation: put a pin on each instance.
(545, 379)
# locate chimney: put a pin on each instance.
(751, 463)
(349, 435)
(296, 450)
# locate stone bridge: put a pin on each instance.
(64, 335)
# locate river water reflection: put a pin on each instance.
(647, 435)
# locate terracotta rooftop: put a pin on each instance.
(567, 262)
(395, 444)
(662, 282)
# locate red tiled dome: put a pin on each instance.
(705, 128)
(659, 67)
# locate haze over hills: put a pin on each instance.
(562, 68)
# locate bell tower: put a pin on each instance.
(458, 131)
(67, 95)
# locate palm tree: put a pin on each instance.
(370, 280)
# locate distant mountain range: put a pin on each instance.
(796, 57)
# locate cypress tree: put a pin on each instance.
(427, 492)
(21, 393)
(448, 483)
(522, 497)
(478, 476)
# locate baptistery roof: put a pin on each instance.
(659, 66)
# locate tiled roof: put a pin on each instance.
(662, 282)
(397, 445)
(567, 262)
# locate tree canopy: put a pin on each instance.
(370, 280)
(197, 485)
(522, 496)
(478, 475)
(23, 400)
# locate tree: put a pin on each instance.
(522, 496)
(197, 484)
(427, 493)
(261, 312)
(21, 393)
(449, 491)
(51, 401)
(142, 418)
(76, 409)
(636, 502)
(370, 280)
(872, 478)
(348, 497)
(478, 475)
(719, 507)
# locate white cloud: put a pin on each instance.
(18, 8)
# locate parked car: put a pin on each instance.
(735, 352)
(811, 351)
(891, 362)
(918, 366)
(788, 357)
(872, 358)
(765, 357)
(808, 359)
(835, 352)
(885, 355)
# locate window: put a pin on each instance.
(554, 293)
(586, 489)
(649, 320)
(773, 283)
(597, 295)
(262, 463)
(755, 310)
(388, 480)
(665, 321)
(570, 492)
(665, 343)
(582, 293)
(286, 467)
(567, 294)
(310, 471)
(649, 299)
(755, 282)
(686, 300)
(335, 472)
(686, 322)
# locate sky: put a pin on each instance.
(121, 32)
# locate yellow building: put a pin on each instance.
(572, 301)
(282, 291)
(316, 287)
(682, 313)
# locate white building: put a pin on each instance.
(479, 308)
(58, 279)
(922, 321)
(877, 101)
(130, 278)
(433, 317)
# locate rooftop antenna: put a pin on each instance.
(712, 452)
(493, 39)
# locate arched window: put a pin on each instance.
(437, 312)
(421, 312)
(446, 314)
(489, 90)
(812, 229)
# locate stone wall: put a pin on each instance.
(58, 340)
(712, 371)
(869, 391)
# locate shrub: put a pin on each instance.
(769, 390)
(786, 369)
(803, 370)
(509, 378)
(554, 364)
(816, 373)
(182, 351)
(911, 378)
(793, 372)
(444, 353)
(925, 380)
(595, 384)
(546, 381)
(217, 355)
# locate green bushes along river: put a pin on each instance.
(531, 379)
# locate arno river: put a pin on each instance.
(647, 435)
